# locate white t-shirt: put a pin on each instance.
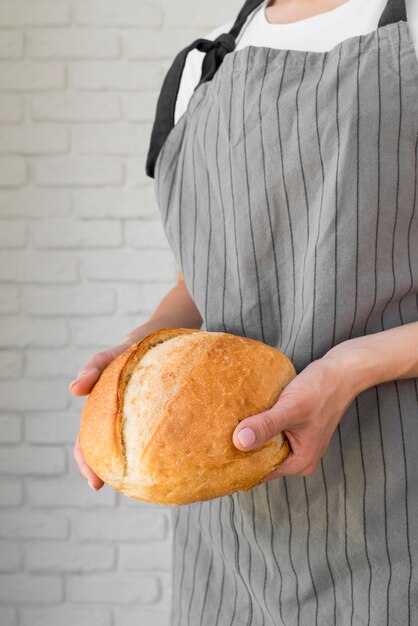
(318, 33)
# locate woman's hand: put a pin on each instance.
(87, 377)
(308, 411)
(311, 406)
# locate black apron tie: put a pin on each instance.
(395, 11)
(215, 51)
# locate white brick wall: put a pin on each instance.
(83, 260)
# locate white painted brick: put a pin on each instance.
(116, 75)
(143, 298)
(142, 616)
(57, 556)
(8, 616)
(183, 14)
(13, 171)
(68, 492)
(41, 12)
(11, 45)
(61, 268)
(34, 140)
(65, 615)
(166, 585)
(102, 332)
(114, 203)
(73, 44)
(55, 363)
(81, 300)
(13, 234)
(145, 234)
(76, 107)
(26, 395)
(22, 589)
(127, 266)
(121, 525)
(113, 140)
(11, 364)
(21, 333)
(109, 589)
(136, 176)
(66, 234)
(140, 108)
(162, 44)
(13, 266)
(150, 556)
(10, 428)
(58, 428)
(9, 299)
(32, 460)
(11, 492)
(11, 108)
(78, 171)
(35, 203)
(11, 557)
(126, 13)
(29, 524)
(31, 76)
(38, 268)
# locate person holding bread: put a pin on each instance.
(285, 158)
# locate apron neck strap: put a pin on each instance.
(243, 15)
(215, 52)
(394, 11)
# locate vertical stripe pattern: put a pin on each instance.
(288, 194)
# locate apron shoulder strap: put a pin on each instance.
(215, 52)
(394, 11)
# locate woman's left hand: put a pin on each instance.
(311, 406)
(307, 411)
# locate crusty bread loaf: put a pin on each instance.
(158, 424)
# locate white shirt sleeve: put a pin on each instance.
(192, 71)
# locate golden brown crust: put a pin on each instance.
(100, 426)
(190, 455)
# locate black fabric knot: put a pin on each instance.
(225, 40)
(215, 53)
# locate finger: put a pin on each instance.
(85, 381)
(88, 375)
(290, 466)
(94, 481)
(257, 430)
(294, 466)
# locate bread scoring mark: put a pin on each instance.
(146, 398)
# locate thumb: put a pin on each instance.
(257, 430)
(89, 374)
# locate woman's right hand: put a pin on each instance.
(87, 377)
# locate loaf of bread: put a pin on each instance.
(158, 424)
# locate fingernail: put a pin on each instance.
(77, 380)
(246, 437)
(92, 486)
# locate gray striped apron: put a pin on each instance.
(288, 194)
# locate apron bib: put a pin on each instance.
(288, 194)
